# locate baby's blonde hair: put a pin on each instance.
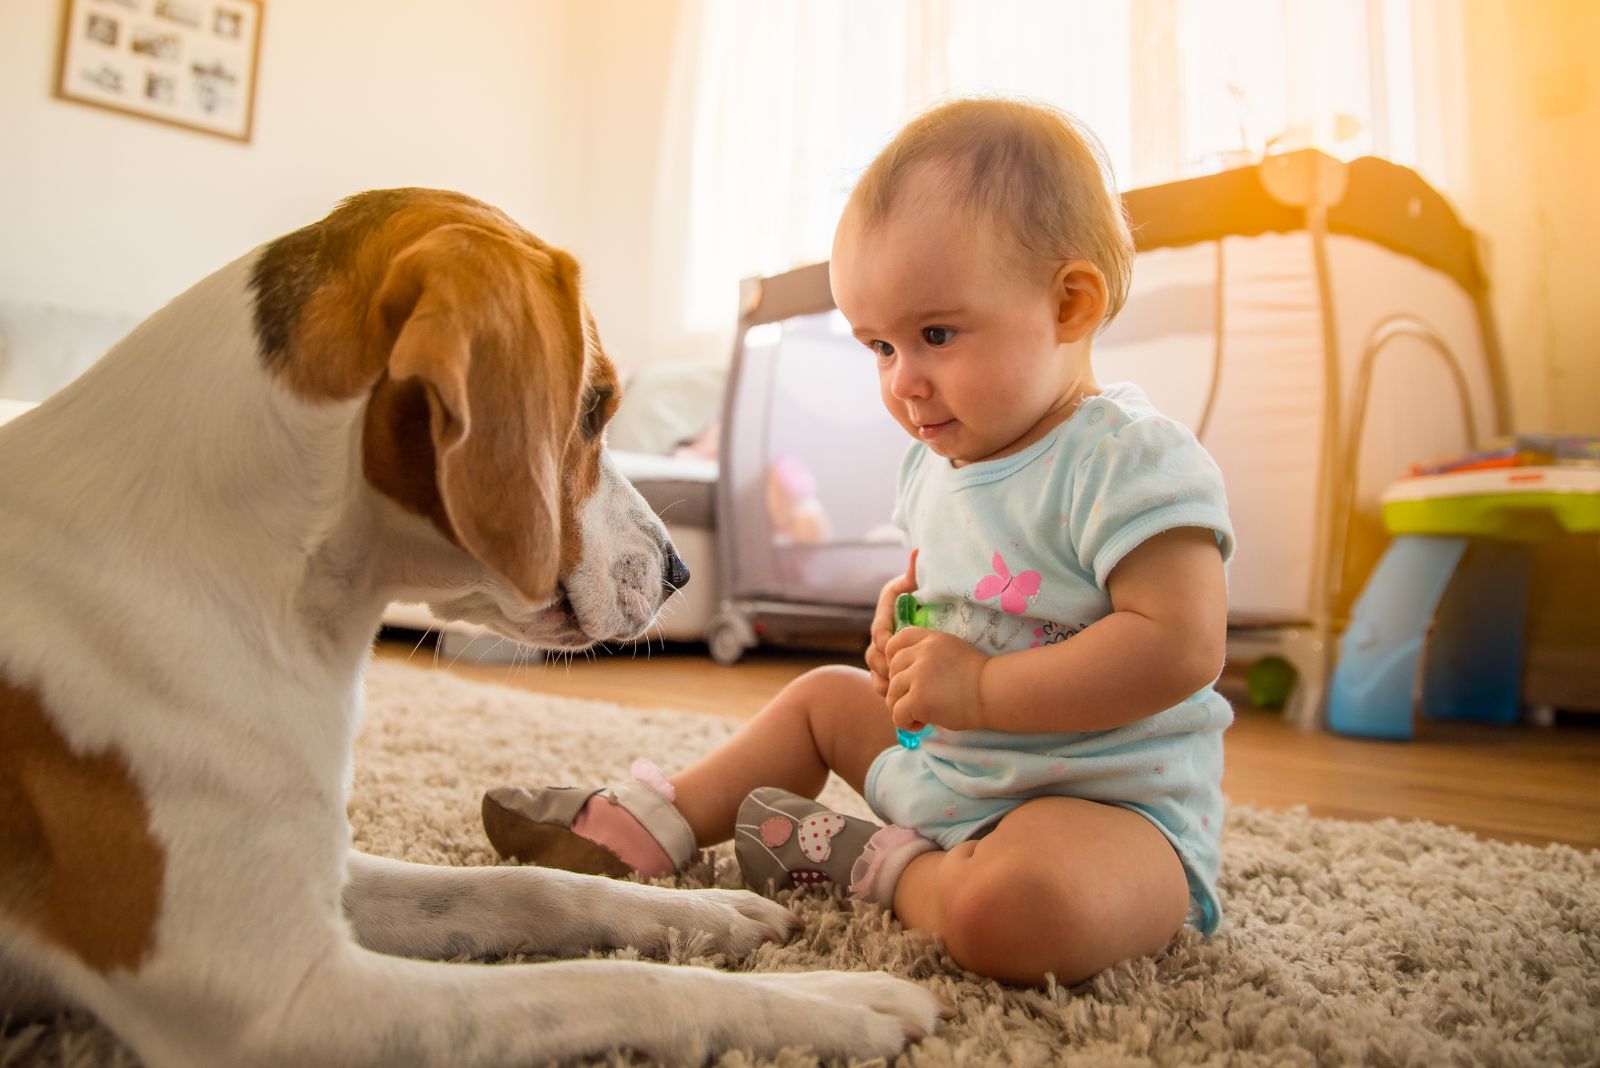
(1032, 168)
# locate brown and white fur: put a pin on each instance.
(403, 401)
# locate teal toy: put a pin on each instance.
(910, 612)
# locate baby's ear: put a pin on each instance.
(1079, 290)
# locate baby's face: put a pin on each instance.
(967, 348)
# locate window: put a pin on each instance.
(790, 99)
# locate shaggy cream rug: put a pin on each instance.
(1345, 943)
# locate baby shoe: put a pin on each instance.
(782, 839)
(615, 830)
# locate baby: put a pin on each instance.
(1063, 812)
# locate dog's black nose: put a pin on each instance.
(675, 576)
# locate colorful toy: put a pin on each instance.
(1464, 610)
(1521, 450)
(796, 512)
(910, 612)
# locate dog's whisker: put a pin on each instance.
(459, 654)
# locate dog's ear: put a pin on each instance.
(490, 328)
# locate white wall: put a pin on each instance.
(108, 212)
(1533, 106)
(634, 179)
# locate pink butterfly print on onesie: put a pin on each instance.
(1013, 591)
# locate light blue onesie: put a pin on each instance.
(1014, 554)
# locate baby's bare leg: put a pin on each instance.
(1062, 885)
(829, 719)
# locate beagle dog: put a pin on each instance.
(406, 400)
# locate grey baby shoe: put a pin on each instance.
(784, 840)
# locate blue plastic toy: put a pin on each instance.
(910, 612)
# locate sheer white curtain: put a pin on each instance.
(778, 104)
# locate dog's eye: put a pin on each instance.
(595, 412)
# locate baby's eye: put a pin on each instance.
(938, 336)
(882, 348)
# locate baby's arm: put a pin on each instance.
(1163, 640)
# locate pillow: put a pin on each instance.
(665, 405)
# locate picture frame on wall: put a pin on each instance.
(188, 63)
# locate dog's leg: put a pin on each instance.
(363, 1009)
(419, 910)
(359, 1009)
(265, 974)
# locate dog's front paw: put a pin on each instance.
(868, 1014)
(736, 921)
(691, 1016)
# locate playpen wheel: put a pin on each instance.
(726, 643)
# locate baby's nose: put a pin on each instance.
(908, 382)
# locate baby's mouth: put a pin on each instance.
(927, 431)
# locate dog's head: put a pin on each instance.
(487, 398)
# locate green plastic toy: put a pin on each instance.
(910, 612)
(1269, 681)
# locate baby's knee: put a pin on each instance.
(1016, 925)
(826, 690)
(818, 688)
(992, 906)
(835, 679)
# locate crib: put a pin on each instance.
(808, 463)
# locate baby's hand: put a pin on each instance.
(934, 678)
(883, 625)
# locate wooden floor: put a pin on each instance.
(1523, 784)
